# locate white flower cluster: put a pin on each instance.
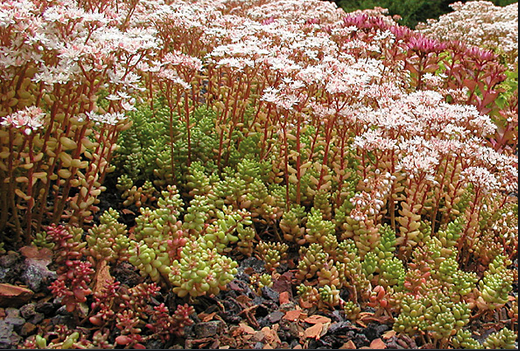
(29, 119)
(479, 23)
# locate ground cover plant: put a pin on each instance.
(283, 170)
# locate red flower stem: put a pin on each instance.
(30, 202)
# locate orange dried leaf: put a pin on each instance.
(271, 335)
(389, 334)
(365, 314)
(378, 320)
(361, 323)
(43, 254)
(317, 319)
(102, 276)
(207, 317)
(325, 329)
(243, 299)
(377, 344)
(284, 297)
(349, 345)
(314, 331)
(292, 315)
(305, 304)
(246, 329)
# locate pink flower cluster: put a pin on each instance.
(29, 119)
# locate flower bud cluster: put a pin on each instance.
(351, 309)
(201, 270)
(312, 259)
(74, 274)
(503, 339)
(370, 202)
(433, 314)
(159, 237)
(495, 286)
(133, 195)
(257, 281)
(272, 254)
(319, 230)
(108, 240)
(463, 340)
(292, 224)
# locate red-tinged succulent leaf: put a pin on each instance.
(123, 340)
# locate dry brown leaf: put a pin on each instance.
(102, 276)
(389, 334)
(43, 254)
(292, 315)
(349, 345)
(206, 317)
(305, 304)
(247, 329)
(243, 299)
(377, 344)
(379, 320)
(361, 323)
(365, 314)
(259, 336)
(317, 319)
(249, 270)
(314, 331)
(271, 335)
(325, 329)
(127, 211)
(284, 297)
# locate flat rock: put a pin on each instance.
(27, 329)
(270, 294)
(9, 260)
(207, 329)
(8, 337)
(14, 296)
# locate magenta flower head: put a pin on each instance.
(365, 21)
(425, 45)
(313, 21)
(401, 32)
(480, 55)
(268, 21)
(29, 119)
(360, 21)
